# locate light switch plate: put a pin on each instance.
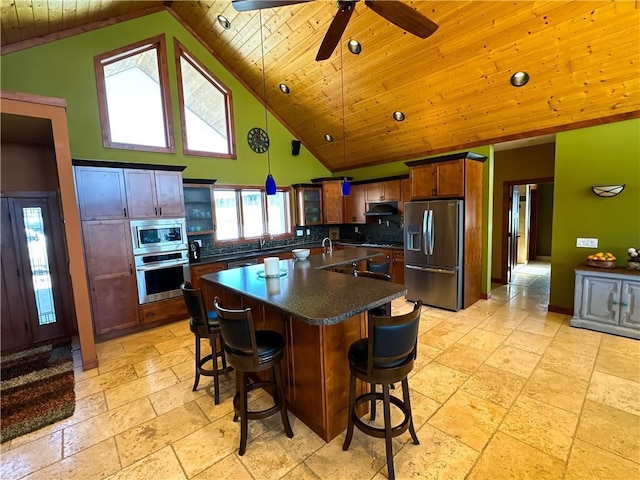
(299, 233)
(587, 242)
(308, 231)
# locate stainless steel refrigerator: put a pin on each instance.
(433, 252)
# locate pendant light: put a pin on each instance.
(346, 185)
(270, 182)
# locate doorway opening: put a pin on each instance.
(526, 230)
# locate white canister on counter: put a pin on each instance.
(272, 266)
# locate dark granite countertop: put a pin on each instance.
(310, 291)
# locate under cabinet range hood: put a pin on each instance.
(382, 209)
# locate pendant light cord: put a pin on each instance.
(264, 92)
(344, 128)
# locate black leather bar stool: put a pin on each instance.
(250, 351)
(378, 267)
(384, 309)
(384, 357)
(204, 324)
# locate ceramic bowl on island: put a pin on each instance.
(301, 253)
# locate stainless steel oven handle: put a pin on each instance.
(159, 266)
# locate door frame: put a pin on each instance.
(506, 185)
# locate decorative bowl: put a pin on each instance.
(602, 263)
(301, 253)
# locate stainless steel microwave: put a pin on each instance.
(158, 235)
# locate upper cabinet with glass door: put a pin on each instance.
(308, 204)
(198, 209)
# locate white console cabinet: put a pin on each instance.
(607, 300)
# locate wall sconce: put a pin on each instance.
(607, 190)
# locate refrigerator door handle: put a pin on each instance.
(431, 233)
(432, 270)
(425, 232)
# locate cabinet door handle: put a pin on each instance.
(614, 302)
(156, 210)
(160, 211)
(131, 269)
(124, 210)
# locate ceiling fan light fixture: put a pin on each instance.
(328, 137)
(224, 22)
(354, 46)
(519, 79)
(398, 116)
(284, 89)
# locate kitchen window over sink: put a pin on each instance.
(247, 213)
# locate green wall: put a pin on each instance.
(601, 155)
(64, 69)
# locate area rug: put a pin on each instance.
(36, 389)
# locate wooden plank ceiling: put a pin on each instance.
(583, 58)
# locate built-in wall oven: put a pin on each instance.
(161, 257)
(158, 235)
(160, 275)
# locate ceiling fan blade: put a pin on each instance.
(403, 16)
(246, 5)
(336, 29)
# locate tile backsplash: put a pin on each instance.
(389, 230)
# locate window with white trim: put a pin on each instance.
(205, 109)
(246, 213)
(133, 97)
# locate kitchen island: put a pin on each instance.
(320, 313)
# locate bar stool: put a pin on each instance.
(250, 351)
(379, 267)
(386, 308)
(384, 357)
(204, 324)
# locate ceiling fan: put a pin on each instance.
(394, 11)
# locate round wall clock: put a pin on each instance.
(258, 140)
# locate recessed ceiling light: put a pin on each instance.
(224, 22)
(328, 137)
(284, 88)
(398, 116)
(519, 79)
(354, 47)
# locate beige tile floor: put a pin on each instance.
(503, 389)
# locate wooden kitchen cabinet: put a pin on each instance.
(208, 291)
(437, 180)
(607, 301)
(154, 193)
(308, 199)
(101, 193)
(405, 195)
(163, 310)
(397, 266)
(388, 191)
(111, 275)
(355, 205)
(332, 208)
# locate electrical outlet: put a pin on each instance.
(357, 230)
(308, 231)
(299, 233)
(587, 242)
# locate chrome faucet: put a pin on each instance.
(330, 245)
(263, 239)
